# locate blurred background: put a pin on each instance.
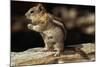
(78, 19)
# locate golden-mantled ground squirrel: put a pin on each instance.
(51, 29)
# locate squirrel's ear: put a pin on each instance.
(40, 7)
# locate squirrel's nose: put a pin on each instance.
(25, 14)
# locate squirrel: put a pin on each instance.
(50, 27)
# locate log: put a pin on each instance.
(72, 53)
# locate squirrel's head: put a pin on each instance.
(34, 11)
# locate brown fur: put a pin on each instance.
(51, 29)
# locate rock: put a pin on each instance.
(73, 53)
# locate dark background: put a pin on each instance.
(23, 38)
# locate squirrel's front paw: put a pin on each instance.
(57, 54)
(30, 26)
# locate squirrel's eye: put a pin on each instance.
(32, 12)
(42, 22)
